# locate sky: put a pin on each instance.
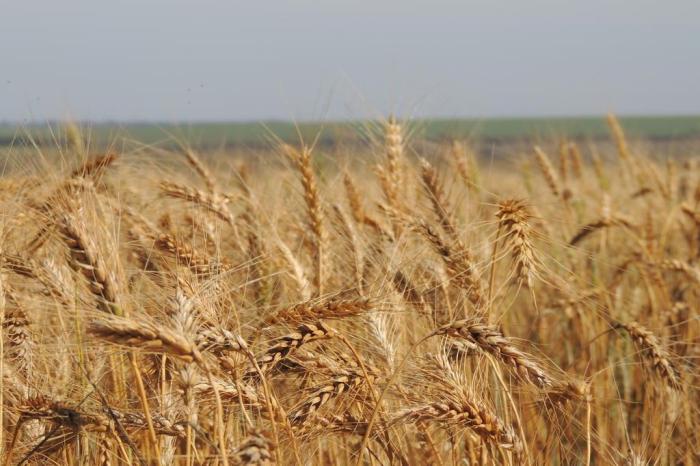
(203, 60)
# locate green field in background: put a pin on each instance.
(261, 133)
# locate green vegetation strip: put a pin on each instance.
(256, 133)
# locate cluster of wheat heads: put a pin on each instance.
(397, 308)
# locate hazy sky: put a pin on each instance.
(258, 59)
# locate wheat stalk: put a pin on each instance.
(86, 260)
(306, 333)
(548, 172)
(302, 160)
(315, 311)
(196, 163)
(651, 349)
(492, 341)
(210, 202)
(255, 450)
(619, 136)
(458, 261)
(514, 221)
(466, 414)
(144, 336)
(341, 382)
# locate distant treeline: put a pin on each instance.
(263, 134)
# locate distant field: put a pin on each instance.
(257, 133)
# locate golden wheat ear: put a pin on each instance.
(458, 261)
(256, 449)
(653, 352)
(548, 172)
(85, 259)
(201, 169)
(312, 198)
(144, 336)
(515, 223)
(492, 341)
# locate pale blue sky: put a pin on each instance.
(234, 60)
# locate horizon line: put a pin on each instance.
(252, 121)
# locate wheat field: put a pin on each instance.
(377, 307)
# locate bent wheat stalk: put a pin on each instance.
(653, 352)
